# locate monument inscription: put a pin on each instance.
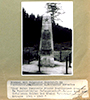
(46, 45)
(46, 35)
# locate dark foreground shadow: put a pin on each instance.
(34, 73)
(67, 73)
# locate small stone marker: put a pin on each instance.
(46, 50)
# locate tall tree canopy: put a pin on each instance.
(54, 9)
(32, 31)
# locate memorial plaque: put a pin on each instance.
(46, 45)
(46, 35)
(46, 42)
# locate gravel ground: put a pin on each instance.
(58, 69)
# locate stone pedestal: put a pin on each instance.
(46, 51)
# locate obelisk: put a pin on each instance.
(46, 50)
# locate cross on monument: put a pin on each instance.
(46, 19)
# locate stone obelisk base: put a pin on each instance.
(47, 61)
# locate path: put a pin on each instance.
(58, 69)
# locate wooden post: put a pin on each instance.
(70, 60)
(39, 64)
(60, 55)
(30, 57)
(67, 65)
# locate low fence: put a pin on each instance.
(63, 56)
(29, 54)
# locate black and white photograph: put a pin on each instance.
(47, 38)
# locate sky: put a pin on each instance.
(66, 19)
